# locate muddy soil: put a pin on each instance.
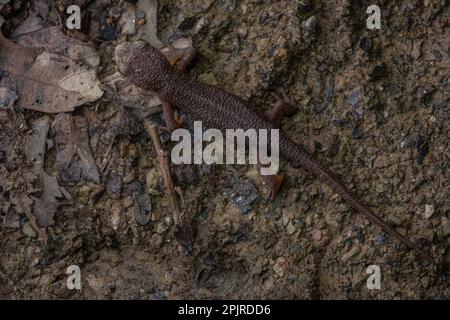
(372, 105)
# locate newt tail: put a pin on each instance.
(298, 155)
(146, 67)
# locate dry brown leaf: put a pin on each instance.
(31, 24)
(72, 138)
(48, 82)
(35, 147)
(53, 40)
(44, 207)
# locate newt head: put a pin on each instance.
(143, 64)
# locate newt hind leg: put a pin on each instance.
(283, 107)
(274, 182)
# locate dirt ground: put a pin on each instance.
(373, 106)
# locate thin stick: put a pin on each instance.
(152, 130)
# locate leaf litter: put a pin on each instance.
(57, 164)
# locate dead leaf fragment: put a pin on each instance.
(149, 30)
(45, 206)
(55, 41)
(35, 148)
(48, 82)
(31, 24)
(7, 97)
(72, 138)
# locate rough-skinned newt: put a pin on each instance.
(147, 68)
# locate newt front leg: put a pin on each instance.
(172, 120)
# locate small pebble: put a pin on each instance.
(422, 146)
(114, 184)
(317, 235)
(354, 98)
(290, 228)
(140, 14)
(157, 239)
(244, 196)
(161, 227)
(134, 187)
(143, 209)
(310, 24)
(71, 173)
(141, 22)
(28, 230)
(357, 132)
(429, 210)
(381, 239)
(438, 55)
(280, 266)
(7, 97)
(108, 33)
(365, 44)
(201, 23)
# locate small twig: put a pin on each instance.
(152, 130)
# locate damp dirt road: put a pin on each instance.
(373, 106)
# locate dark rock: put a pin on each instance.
(438, 55)
(108, 33)
(357, 132)
(272, 49)
(381, 239)
(330, 90)
(143, 209)
(353, 99)
(360, 235)
(71, 174)
(85, 21)
(378, 72)
(115, 12)
(114, 184)
(243, 195)
(422, 147)
(140, 14)
(134, 187)
(264, 75)
(187, 23)
(365, 44)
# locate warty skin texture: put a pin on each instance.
(147, 68)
